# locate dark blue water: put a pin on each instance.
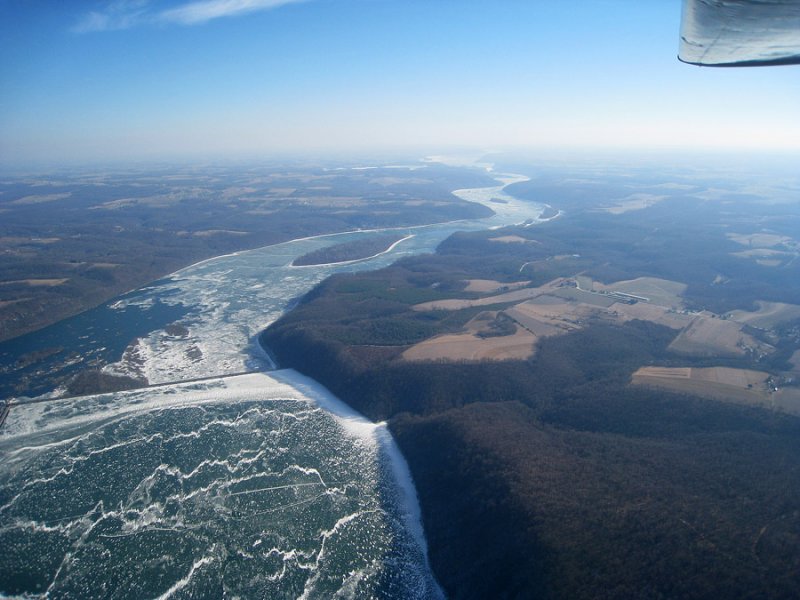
(41, 361)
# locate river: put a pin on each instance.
(252, 482)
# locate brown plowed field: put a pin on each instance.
(742, 386)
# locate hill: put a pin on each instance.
(558, 474)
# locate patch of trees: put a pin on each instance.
(514, 508)
(346, 251)
(95, 381)
(501, 325)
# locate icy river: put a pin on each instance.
(227, 479)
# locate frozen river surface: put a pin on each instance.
(261, 485)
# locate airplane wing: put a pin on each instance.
(739, 33)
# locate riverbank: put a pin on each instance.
(93, 243)
(552, 476)
(221, 305)
(348, 252)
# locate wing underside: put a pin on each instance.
(728, 33)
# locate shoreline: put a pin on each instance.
(355, 260)
(257, 248)
(402, 498)
(404, 483)
(358, 424)
(146, 284)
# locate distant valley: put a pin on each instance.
(72, 241)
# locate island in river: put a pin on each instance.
(73, 240)
(602, 405)
(348, 251)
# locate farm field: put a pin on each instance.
(479, 341)
(787, 400)
(708, 335)
(766, 249)
(490, 286)
(507, 297)
(719, 383)
(468, 346)
(563, 305)
(760, 240)
(633, 202)
(653, 313)
(658, 291)
(768, 315)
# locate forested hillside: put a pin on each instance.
(552, 476)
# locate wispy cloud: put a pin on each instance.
(120, 14)
(124, 14)
(194, 13)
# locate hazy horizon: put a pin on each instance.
(149, 79)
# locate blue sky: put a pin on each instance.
(139, 79)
